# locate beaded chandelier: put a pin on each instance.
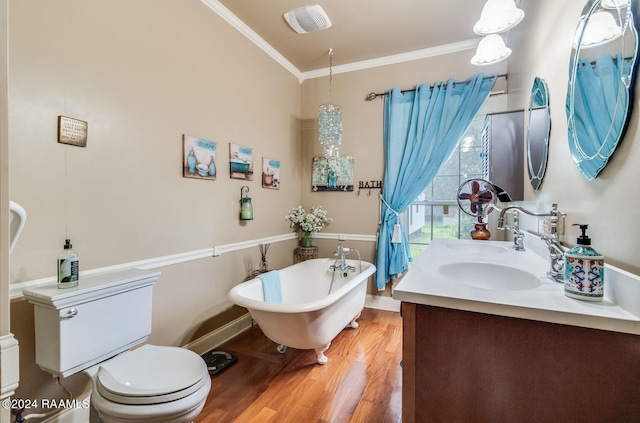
(330, 121)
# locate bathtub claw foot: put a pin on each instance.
(281, 348)
(353, 323)
(322, 359)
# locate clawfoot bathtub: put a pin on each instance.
(313, 309)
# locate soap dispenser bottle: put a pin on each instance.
(68, 267)
(584, 270)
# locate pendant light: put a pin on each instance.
(330, 121)
(498, 17)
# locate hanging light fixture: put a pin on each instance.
(330, 120)
(491, 50)
(498, 16)
(602, 28)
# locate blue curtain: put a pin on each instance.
(421, 130)
(598, 116)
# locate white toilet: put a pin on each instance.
(91, 328)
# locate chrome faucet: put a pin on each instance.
(518, 236)
(556, 252)
(341, 253)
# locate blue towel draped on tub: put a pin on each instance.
(271, 286)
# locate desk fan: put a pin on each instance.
(474, 196)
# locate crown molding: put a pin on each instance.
(244, 29)
(395, 59)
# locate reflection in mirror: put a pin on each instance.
(602, 75)
(538, 130)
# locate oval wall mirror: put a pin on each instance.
(538, 131)
(602, 75)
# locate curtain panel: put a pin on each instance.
(421, 130)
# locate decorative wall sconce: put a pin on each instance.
(246, 208)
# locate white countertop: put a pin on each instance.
(425, 284)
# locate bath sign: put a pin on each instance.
(72, 131)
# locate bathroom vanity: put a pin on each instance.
(488, 338)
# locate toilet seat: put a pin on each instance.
(151, 375)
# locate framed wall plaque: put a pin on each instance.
(72, 131)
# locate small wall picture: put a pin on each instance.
(333, 174)
(270, 173)
(241, 162)
(198, 158)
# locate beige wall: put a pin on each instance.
(608, 203)
(143, 73)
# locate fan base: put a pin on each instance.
(480, 232)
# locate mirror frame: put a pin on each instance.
(538, 132)
(590, 165)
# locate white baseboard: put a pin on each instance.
(382, 303)
(221, 335)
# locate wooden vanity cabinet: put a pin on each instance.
(461, 366)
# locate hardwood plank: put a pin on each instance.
(360, 383)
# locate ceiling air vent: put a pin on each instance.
(307, 19)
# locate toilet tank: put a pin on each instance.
(104, 315)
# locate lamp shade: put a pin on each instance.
(498, 16)
(491, 50)
(614, 4)
(601, 28)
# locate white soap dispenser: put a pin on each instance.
(584, 270)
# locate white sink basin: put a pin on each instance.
(489, 276)
(477, 247)
(492, 277)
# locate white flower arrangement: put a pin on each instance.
(313, 221)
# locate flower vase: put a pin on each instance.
(306, 240)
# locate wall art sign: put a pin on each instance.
(72, 131)
(198, 158)
(332, 174)
(240, 162)
(270, 173)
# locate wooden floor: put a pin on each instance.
(362, 382)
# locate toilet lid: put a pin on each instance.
(151, 374)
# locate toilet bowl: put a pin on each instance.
(151, 383)
(99, 328)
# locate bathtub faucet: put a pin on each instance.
(341, 262)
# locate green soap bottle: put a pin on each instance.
(68, 267)
(584, 270)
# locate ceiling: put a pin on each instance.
(362, 30)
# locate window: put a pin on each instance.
(435, 213)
